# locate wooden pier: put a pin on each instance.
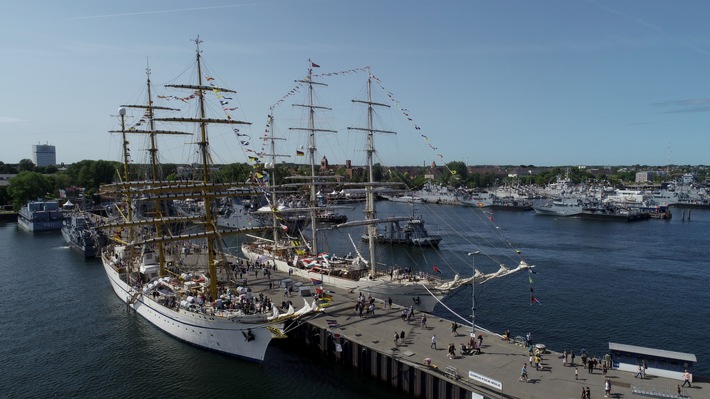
(366, 345)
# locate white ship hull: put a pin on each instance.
(221, 334)
(559, 208)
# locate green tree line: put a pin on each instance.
(32, 182)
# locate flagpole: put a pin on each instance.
(473, 296)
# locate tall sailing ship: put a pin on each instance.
(420, 290)
(172, 270)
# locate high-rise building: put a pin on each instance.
(44, 155)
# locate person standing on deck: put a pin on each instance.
(433, 341)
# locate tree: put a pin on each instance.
(28, 185)
(377, 172)
(91, 174)
(4, 195)
(26, 165)
(7, 169)
(235, 172)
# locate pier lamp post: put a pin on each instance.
(473, 296)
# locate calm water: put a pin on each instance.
(642, 283)
(66, 334)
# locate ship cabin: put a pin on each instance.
(662, 363)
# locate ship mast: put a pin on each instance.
(153, 150)
(272, 177)
(370, 197)
(312, 130)
(203, 144)
(122, 112)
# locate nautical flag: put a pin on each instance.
(533, 300)
(436, 269)
(316, 281)
(314, 65)
(530, 279)
(300, 153)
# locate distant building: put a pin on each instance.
(648, 176)
(44, 155)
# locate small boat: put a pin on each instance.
(477, 199)
(404, 198)
(328, 216)
(611, 211)
(559, 207)
(412, 233)
(79, 232)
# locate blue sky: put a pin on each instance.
(567, 82)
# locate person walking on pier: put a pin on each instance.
(451, 351)
(572, 359)
(401, 336)
(433, 341)
(686, 378)
(607, 388)
(396, 339)
(423, 322)
(524, 373)
(639, 373)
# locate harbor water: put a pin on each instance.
(66, 334)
